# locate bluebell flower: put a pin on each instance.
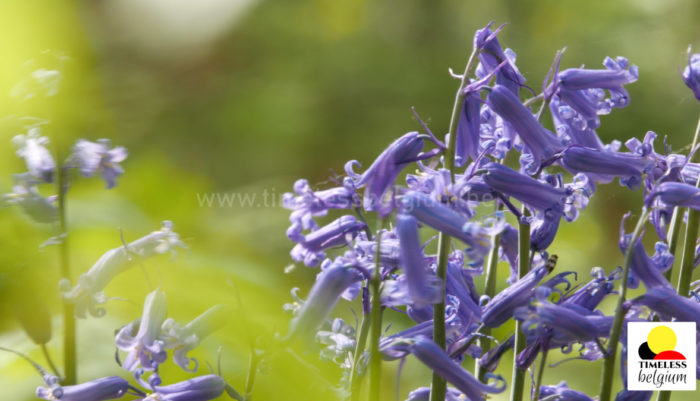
(676, 194)
(563, 392)
(340, 343)
(325, 293)
(572, 127)
(106, 388)
(460, 285)
(691, 73)
(691, 173)
(489, 361)
(542, 314)
(307, 204)
(423, 287)
(666, 302)
(628, 167)
(380, 176)
(593, 292)
(97, 158)
(647, 269)
(540, 143)
(341, 231)
(145, 348)
(25, 195)
(200, 388)
(440, 362)
(491, 55)
(508, 251)
(32, 148)
(627, 395)
(438, 184)
(183, 339)
(442, 218)
(543, 229)
(88, 293)
(502, 306)
(468, 131)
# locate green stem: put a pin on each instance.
(518, 381)
(691, 235)
(489, 290)
(45, 351)
(540, 373)
(252, 371)
(69, 349)
(355, 379)
(438, 387)
(609, 361)
(674, 231)
(375, 361)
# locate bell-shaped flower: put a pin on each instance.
(628, 167)
(540, 143)
(97, 158)
(184, 339)
(88, 293)
(200, 388)
(106, 388)
(492, 55)
(423, 286)
(380, 176)
(423, 394)
(32, 148)
(325, 293)
(145, 348)
(676, 194)
(310, 249)
(691, 74)
(306, 204)
(442, 218)
(593, 292)
(41, 209)
(647, 269)
(440, 362)
(667, 303)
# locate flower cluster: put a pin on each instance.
(402, 269)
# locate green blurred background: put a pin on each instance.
(246, 96)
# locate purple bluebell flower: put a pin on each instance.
(572, 127)
(88, 293)
(543, 229)
(200, 388)
(97, 158)
(691, 73)
(628, 395)
(423, 394)
(440, 362)
(423, 287)
(541, 144)
(509, 251)
(307, 204)
(340, 343)
(442, 218)
(184, 339)
(541, 315)
(32, 148)
(647, 269)
(501, 307)
(460, 285)
(563, 392)
(676, 194)
(468, 132)
(145, 347)
(491, 55)
(341, 231)
(492, 357)
(41, 209)
(106, 388)
(627, 167)
(592, 293)
(380, 176)
(325, 293)
(667, 302)
(691, 173)
(536, 194)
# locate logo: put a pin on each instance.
(665, 357)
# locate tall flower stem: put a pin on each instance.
(540, 374)
(438, 387)
(616, 329)
(355, 379)
(518, 381)
(489, 290)
(69, 349)
(674, 234)
(375, 361)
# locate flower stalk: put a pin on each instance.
(518, 381)
(438, 387)
(616, 329)
(375, 362)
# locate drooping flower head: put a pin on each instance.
(311, 248)
(563, 392)
(88, 293)
(676, 194)
(41, 209)
(200, 388)
(647, 269)
(145, 348)
(97, 158)
(423, 287)
(32, 148)
(691, 73)
(106, 388)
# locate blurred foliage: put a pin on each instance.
(245, 96)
